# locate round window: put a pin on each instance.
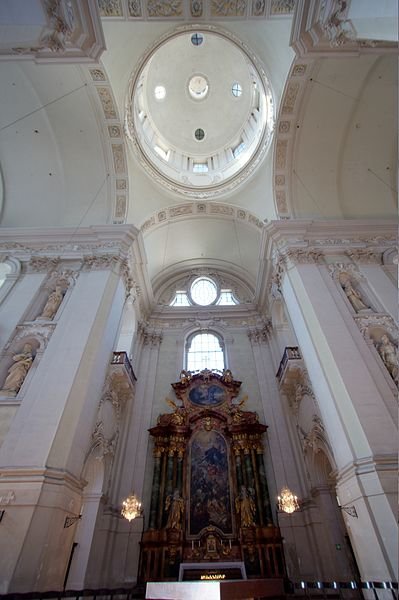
(198, 87)
(203, 291)
(199, 134)
(197, 39)
(236, 89)
(160, 92)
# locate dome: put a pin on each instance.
(199, 112)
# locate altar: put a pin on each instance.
(210, 503)
(216, 590)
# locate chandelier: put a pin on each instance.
(287, 502)
(131, 508)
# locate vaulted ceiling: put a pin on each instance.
(65, 159)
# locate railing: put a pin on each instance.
(101, 593)
(290, 353)
(121, 358)
(308, 589)
(346, 589)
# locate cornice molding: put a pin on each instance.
(195, 10)
(67, 243)
(322, 29)
(72, 33)
(338, 242)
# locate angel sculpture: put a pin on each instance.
(179, 412)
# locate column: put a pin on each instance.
(156, 483)
(264, 491)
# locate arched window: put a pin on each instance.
(205, 351)
(5, 270)
(10, 269)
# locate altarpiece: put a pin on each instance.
(210, 502)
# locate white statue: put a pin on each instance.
(18, 371)
(53, 302)
(354, 296)
(389, 355)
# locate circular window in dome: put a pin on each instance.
(198, 87)
(197, 39)
(159, 92)
(199, 134)
(203, 291)
(236, 89)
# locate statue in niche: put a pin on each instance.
(354, 297)
(389, 355)
(18, 371)
(175, 505)
(245, 507)
(53, 302)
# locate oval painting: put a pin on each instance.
(207, 395)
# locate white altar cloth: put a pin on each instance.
(183, 590)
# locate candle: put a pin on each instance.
(230, 544)
(192, 544)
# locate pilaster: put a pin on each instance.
(44, 450)
(356, 398)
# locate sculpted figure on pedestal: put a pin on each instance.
(389, 355)
(175, 505)
(18, 371)
(53, 302)
(245, 507)
(354, 296)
